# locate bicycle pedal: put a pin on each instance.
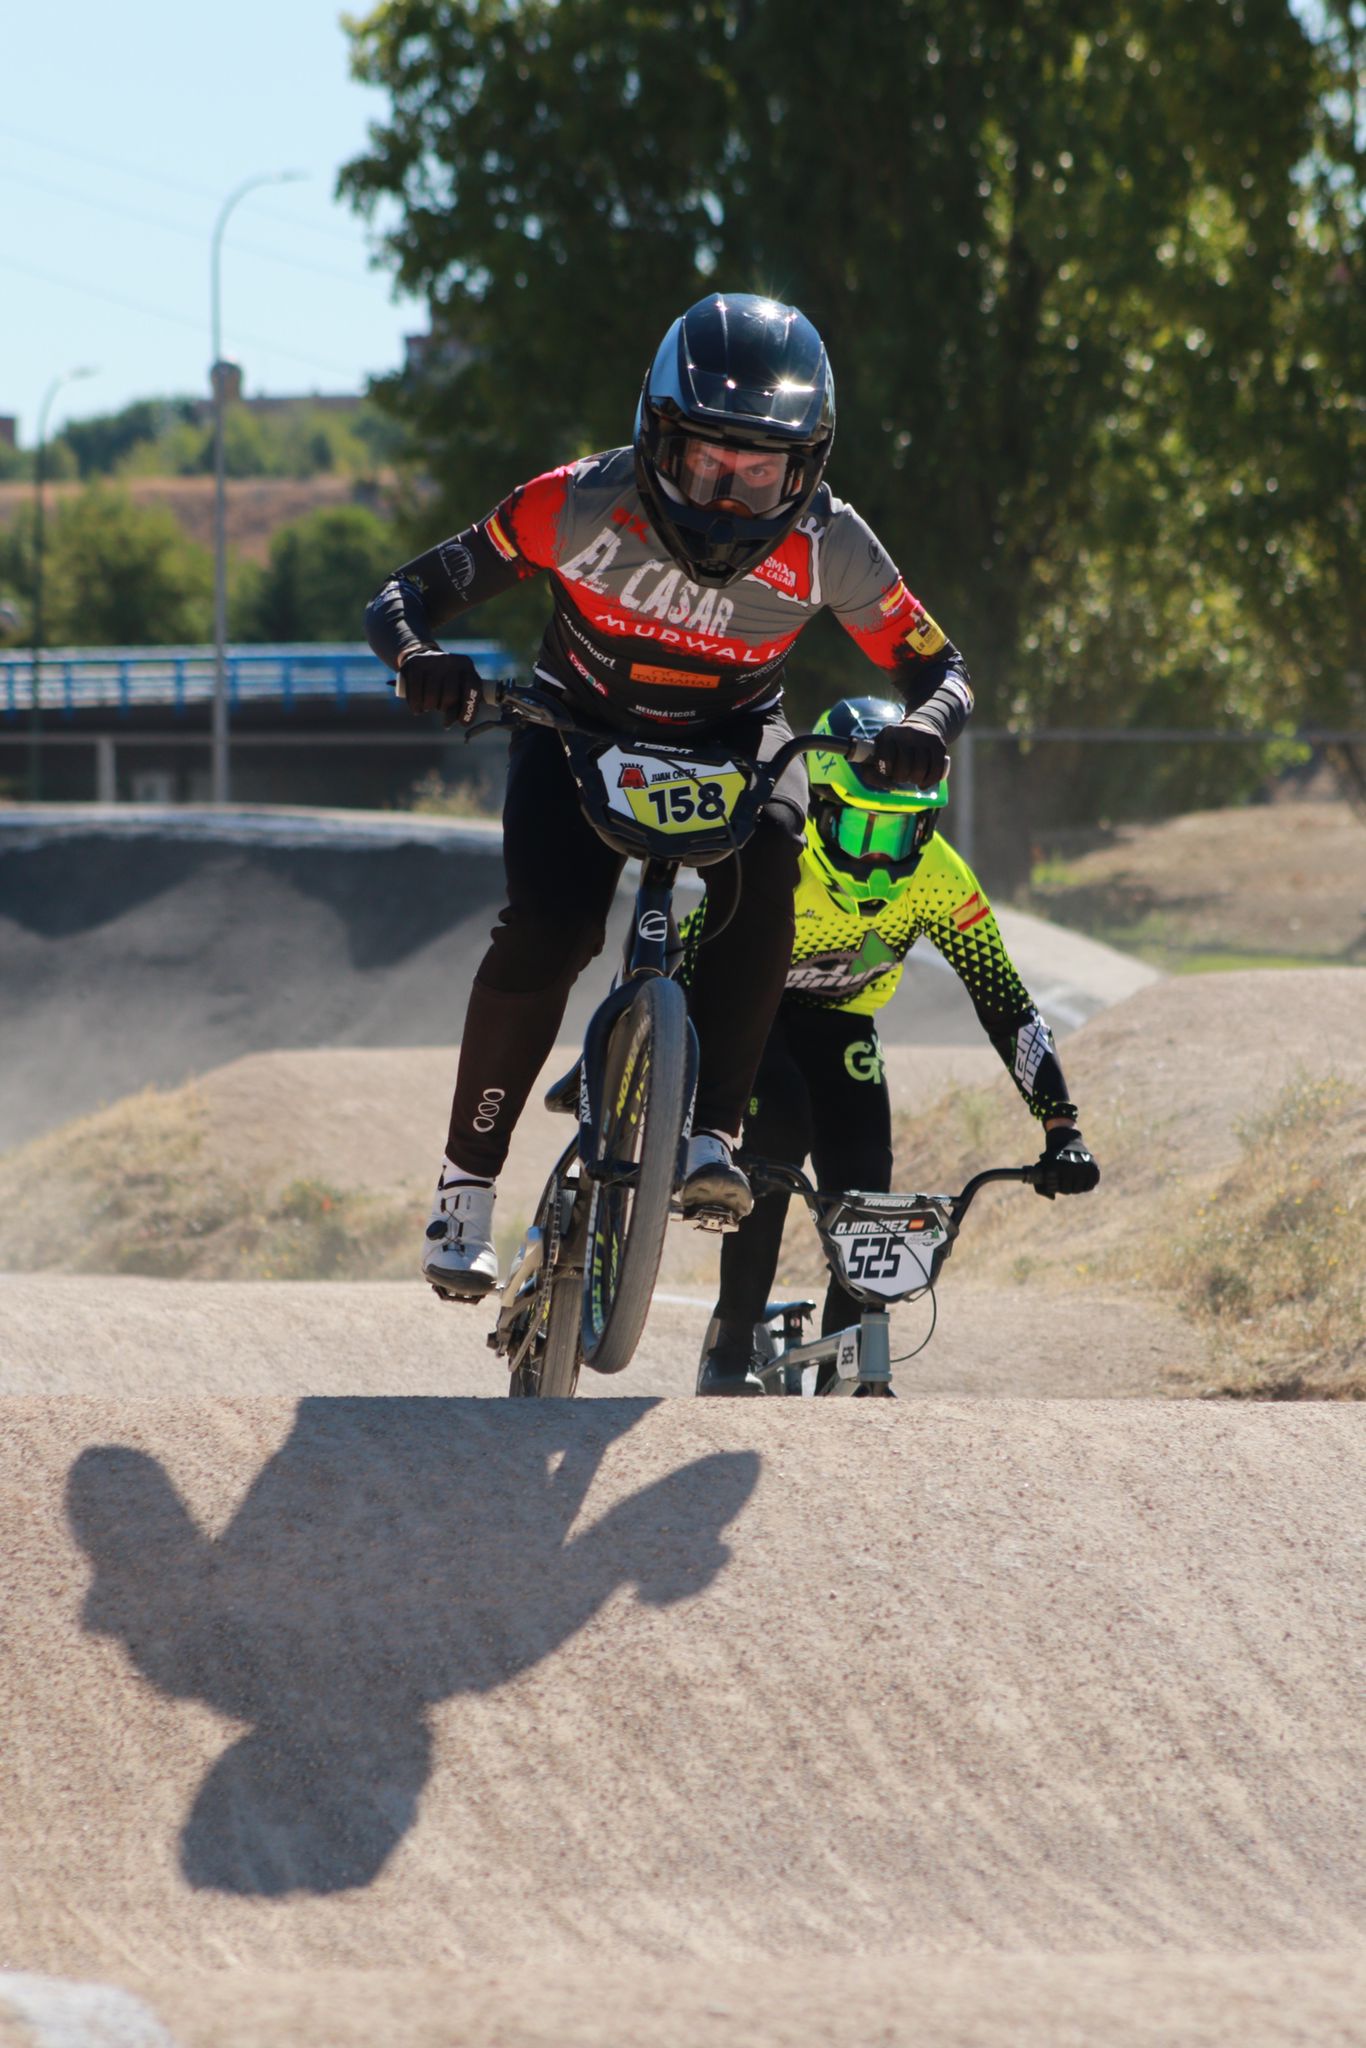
(713, 1219)
(460, 1300)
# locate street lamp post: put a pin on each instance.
(217, 376)
(35, 771)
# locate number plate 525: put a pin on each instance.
(887, 1262)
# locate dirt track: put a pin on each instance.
(459, 1686)
(341, 1707)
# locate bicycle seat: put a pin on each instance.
(774, 1309)
(563, 1095)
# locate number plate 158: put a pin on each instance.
(686, 805)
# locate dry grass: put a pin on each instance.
(1280, 886)
(1274, 1261)
(1266, 1254)
(132, 1190)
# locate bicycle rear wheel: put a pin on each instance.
(645, 1086)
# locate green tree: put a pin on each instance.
(971, 197)
(321, 570)
(119, 574)
(102, 444)
(1091, 277)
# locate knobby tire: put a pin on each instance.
(643, 1108)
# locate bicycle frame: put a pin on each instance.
(668, 806)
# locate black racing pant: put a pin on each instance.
(821, 1092)
(561, 880)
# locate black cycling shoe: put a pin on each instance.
(725, 1369)
(714, 1189)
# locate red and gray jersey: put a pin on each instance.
(633, 642)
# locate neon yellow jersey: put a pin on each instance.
(845, 960)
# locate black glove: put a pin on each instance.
(908, 756)
(431, 680)
(1065, 1166)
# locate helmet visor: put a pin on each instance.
(883, 836)
(743, 481)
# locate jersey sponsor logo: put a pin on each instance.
(588, 565)
(458, 563)
(494, 529)
(845, 972)
(863, 1060)
(567, 619)
(615, 595)
(970, 913)
(633, 523)
(607, 620)
(699, 643)
(673, 678)
(828, 974)
(925, 637)
(788, 569)
(1032, 1046)
(671, 598)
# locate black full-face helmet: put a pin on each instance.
(733, 431)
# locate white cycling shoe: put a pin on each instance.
(457, 1255)
(714, 1188)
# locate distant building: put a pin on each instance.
(9, 430)
(341, 403)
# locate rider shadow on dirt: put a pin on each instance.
(392, 1554)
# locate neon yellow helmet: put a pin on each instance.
(866, 841)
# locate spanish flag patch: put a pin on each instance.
(970, 913)
(498, 536)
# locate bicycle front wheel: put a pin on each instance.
(645, 1086)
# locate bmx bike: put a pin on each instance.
(883, 1249)
(582, 1280)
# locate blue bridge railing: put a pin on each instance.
(73, 679)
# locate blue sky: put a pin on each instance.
(122, 130)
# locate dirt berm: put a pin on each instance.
(147, 947)
(438, 1721)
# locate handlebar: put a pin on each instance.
(517, 701)
(769, 1178)
(960, 1203)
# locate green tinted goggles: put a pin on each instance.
(888, 836)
